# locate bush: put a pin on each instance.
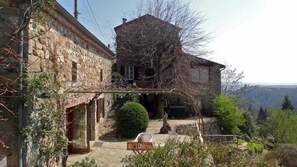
(282, 125)
(131, 119)
(132, 97)
(254, 148)
(249, 126)
(239, 141)
(173, 153)
(85, 163)
(228, 114)
(190, 153)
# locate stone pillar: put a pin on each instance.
(3, 161)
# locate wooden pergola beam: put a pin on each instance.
(175, 91)
(122, 90)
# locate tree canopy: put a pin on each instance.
(229, 116)
(286, 104)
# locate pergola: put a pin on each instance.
(175, 91)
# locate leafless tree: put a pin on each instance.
(193, 39)
(232, 82)
(157, 42)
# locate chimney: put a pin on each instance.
(124, 20)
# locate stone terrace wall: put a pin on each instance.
(210, 128)
(212, 132)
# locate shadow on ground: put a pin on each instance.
(112, 136)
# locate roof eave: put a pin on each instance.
(63, 12)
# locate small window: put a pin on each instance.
(129, 72)
(200, 74)
(204, 74)
(100, 110)
(74, 72)
(101, 75)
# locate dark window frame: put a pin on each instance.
(74, 72)
(101, 74)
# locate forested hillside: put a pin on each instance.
(271, 96)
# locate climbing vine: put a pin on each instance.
(44, 133)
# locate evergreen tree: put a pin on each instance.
(286, 105)
(250, 123)
(262, 115)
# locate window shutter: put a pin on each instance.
(136, 73)
(122, 70)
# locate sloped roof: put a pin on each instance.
(144, 18)
(194, 59)
(64, 13)
(201, 61)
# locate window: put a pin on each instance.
(129, 72)
(194, 74)
(101, 75)
(74, 72)
(204, 74)
(200, 74)
(100, 113)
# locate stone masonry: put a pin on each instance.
(63, 44)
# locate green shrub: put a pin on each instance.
(228, 114)
(131, 119)
(190, 153)
(85, 163)
(282, 125)
(173, 153)
(249, 125)
(254, 147)
(239, 141)
(132, 97)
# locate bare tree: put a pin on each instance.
(156, 42)
(178, 13)
(232, 85)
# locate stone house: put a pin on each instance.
(82, 60)
(204, 75)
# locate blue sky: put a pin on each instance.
(258, 37)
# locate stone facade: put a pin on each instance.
(82, 60)
(205, 75)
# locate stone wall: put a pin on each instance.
(57, 47)
(188, 129)
(210, 128)
(61, 43)
(212, 132)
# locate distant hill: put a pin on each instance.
(271, 96)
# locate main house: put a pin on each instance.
(82, 61)
(150, 55)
